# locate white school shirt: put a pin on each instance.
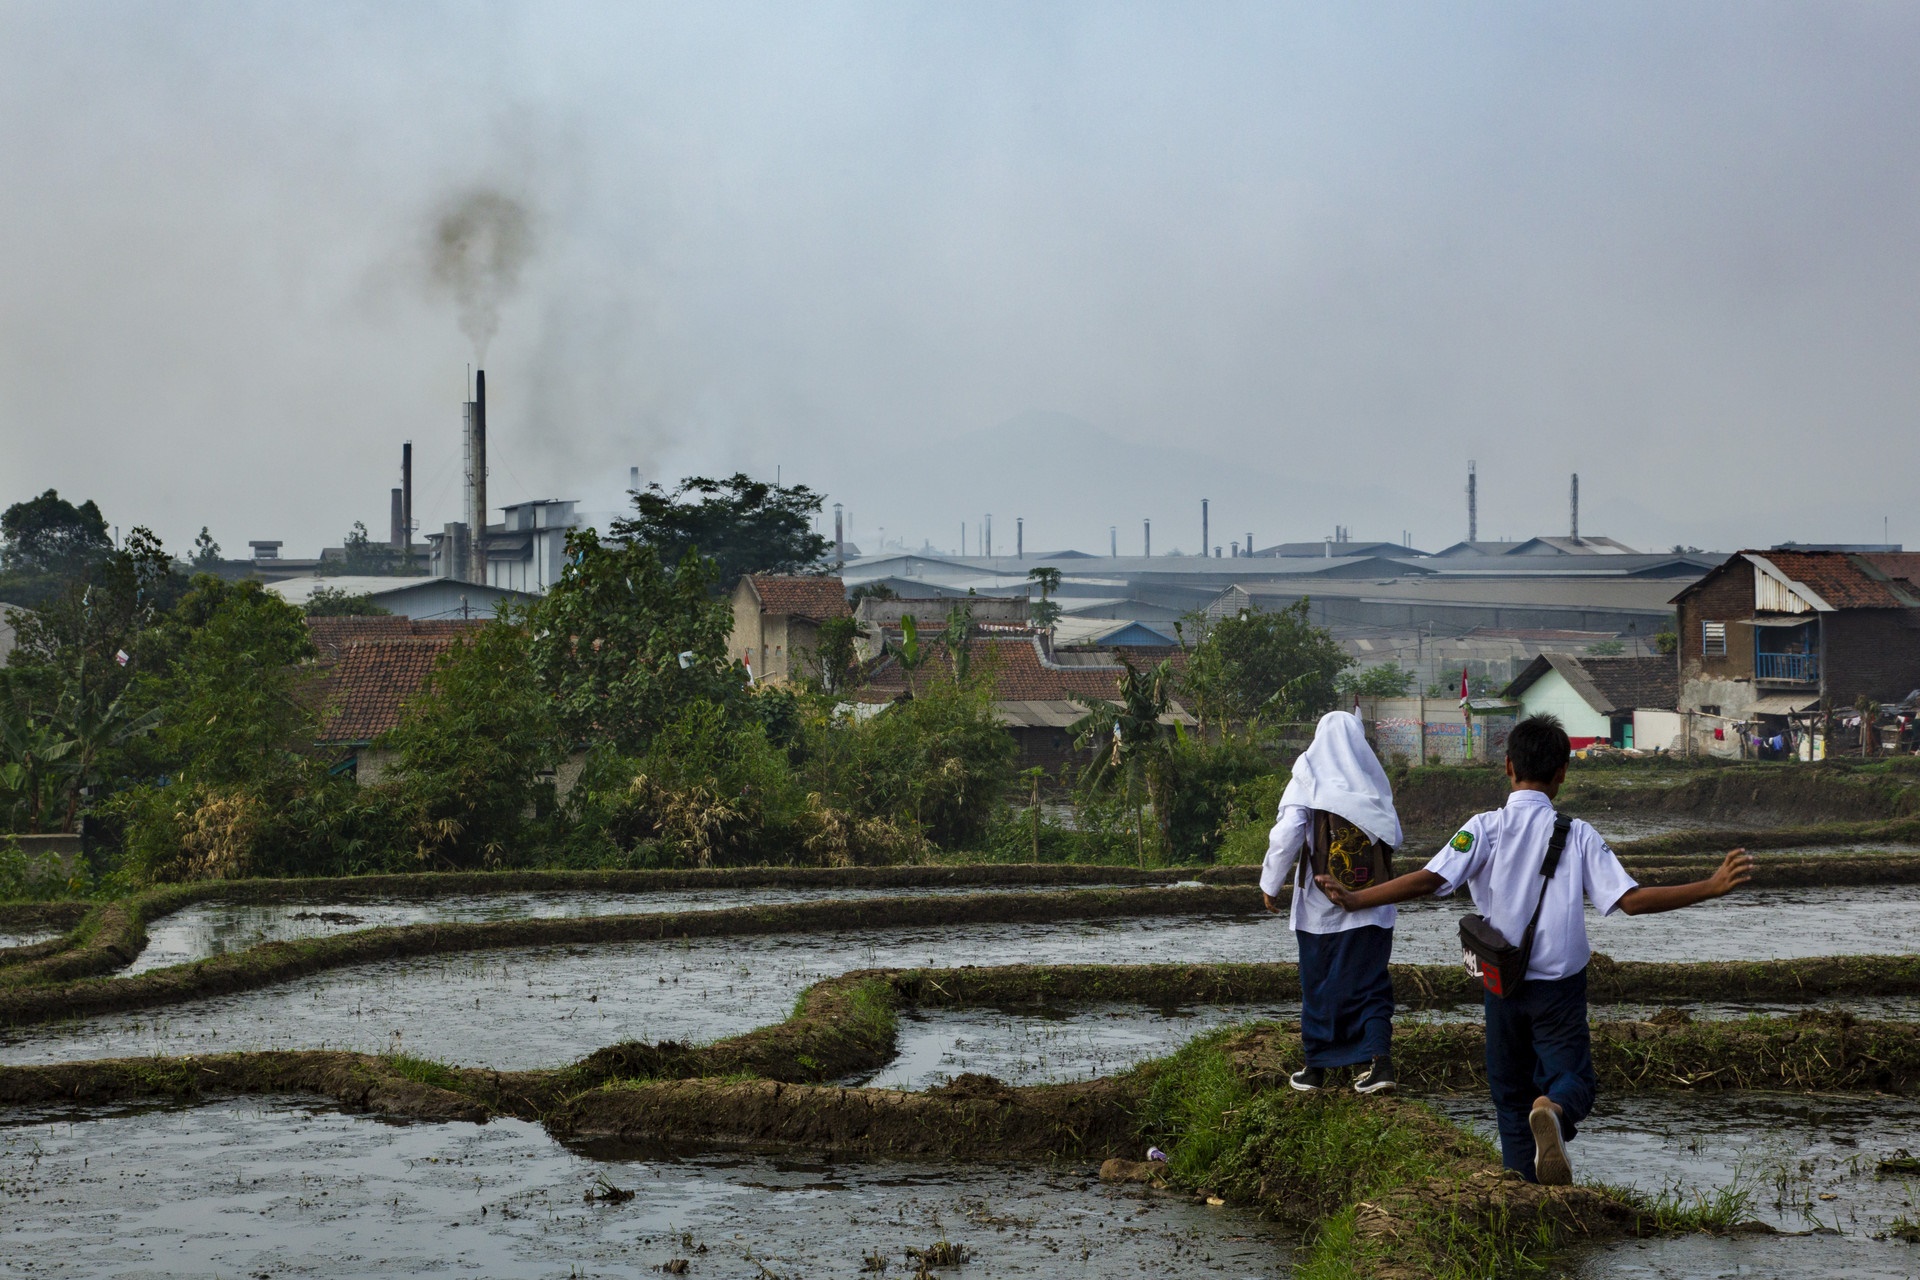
(1313, 911)
(1498, 855)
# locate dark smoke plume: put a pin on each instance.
(479, 246)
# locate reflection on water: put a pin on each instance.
(1808, 1164)
(215, 928)
(272, 1188)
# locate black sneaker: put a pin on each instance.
(1377, 1078)
(1308, 1079)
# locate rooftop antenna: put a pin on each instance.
(1473, 504)
(1575, 503)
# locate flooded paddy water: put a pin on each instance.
(208, 929)
(539, 1007)
(1808, 1163)
(278, 1187)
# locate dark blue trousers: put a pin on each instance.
(1346, 997)
(1538, 1045)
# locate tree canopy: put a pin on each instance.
(741, 524)
(49, 535)
(1273, 666)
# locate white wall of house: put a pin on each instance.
(1553, 695)
(1659, 731)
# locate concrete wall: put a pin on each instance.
(1659, 731)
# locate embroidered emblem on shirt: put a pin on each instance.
(1462, 841)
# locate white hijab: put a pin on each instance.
(1340, 773)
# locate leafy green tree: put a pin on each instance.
(1132, 749)
(206, 552)
(835, 654)
(1606, 648)
(623, 641)
(362, 555)
(938, 762)
(49, 536)
(1045, 611)
(474, 749)
(1272, 666)
(233, 710)
(330, 602)
(1388, 680)
(741, 524)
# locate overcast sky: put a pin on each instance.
(1084, 265)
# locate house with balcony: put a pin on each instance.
(1770, 634)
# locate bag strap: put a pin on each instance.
(1555, 847)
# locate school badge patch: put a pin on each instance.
(1462, 841)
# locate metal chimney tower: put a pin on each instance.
(839, 537)
(1473, 504)
(477, 481)
(1576, 506)
(1149, 538)
(1019, 537)
(406, 503)
(1113, 540)
(1206, 538)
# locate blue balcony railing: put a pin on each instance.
(1791, 668)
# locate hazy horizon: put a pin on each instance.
(1081, 264)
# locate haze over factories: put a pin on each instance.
(1080, 264)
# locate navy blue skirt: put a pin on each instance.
(1346, 997)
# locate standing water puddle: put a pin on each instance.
(278, 1188)
(1808, 1162)
(208, 929)
(551, 1005)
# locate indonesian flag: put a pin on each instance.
(747, 660)
(1463, 686)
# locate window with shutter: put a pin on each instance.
(1713, 639)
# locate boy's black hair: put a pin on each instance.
(1538, 748)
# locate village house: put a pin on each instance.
(776, 621)
(370, 667)
(1772, 633)
(1038, 693)
(1622, 702)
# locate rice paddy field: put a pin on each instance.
(901, 1074)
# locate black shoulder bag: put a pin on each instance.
(1498, 964)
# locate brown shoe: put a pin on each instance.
(1551, 1168)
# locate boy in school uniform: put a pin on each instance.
(1539, 1054)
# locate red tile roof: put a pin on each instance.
(332, 635)
(369, 683)
(1850, 580)
(1019, 674)
(816, 596)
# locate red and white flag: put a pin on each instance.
(1463, 686)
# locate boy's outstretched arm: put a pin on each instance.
(1415, 884)
(1734, 870)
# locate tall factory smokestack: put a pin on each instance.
(397, 522)
(1576, 506)
(477, 480)
(1147, 535)
(839, 538)
(1473, 504)
(1113, 540)
(1019, 537)
(1204, 535)
(406, 504)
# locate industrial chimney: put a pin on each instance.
(397, 522)
(1575, 501)
(1149, 539)
(839, 538)
(633, 479)
(406, 504)
(1019, 537)
(477, 481)
(1205, 536)
(1473, 505)
(1113, 540)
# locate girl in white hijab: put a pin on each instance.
(1337, 813)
